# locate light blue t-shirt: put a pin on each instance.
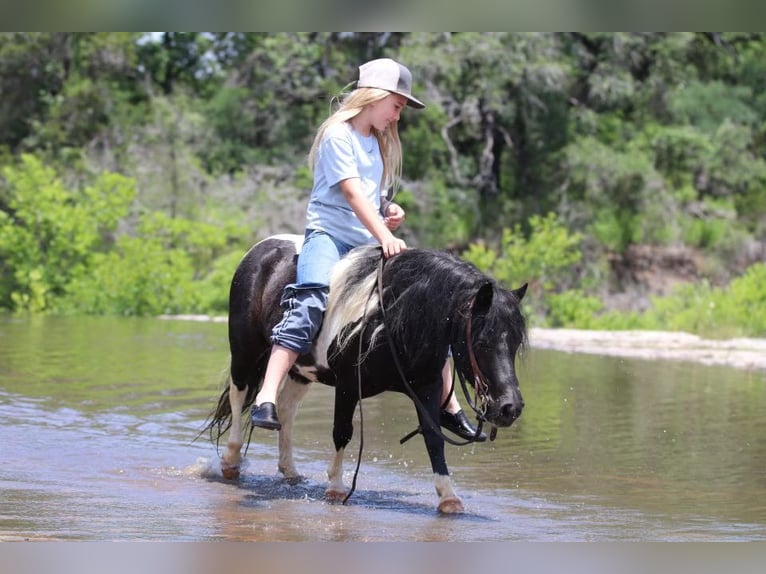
(344, 153)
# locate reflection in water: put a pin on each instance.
(99, 418)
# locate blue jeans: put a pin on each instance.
(304, 302)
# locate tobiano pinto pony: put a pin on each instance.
(431, 302)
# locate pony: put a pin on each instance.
(390, 325)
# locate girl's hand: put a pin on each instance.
(393, 246)
(394, 216)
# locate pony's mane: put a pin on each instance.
(427, 296)
(352, 296)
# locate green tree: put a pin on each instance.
(50, 233)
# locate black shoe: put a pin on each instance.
(460, 425)
(265, 416)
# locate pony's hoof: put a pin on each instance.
(333, 495)
(289, 472)
(295, 479)
(450, 506)
(229, 472)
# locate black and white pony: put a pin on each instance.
(431, 302)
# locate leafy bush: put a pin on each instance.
(543, 259)
(50, 233)
(139, 277)
(737, 310)
(744, 302)
(173, 266)
(572, 308)
(213, 289)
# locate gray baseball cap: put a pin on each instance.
(387, 74)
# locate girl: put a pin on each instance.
(356, 155)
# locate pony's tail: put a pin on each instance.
(219, 420)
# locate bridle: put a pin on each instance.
(480, 386)
(481, 389)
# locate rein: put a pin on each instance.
(425, 415)
(480, 386)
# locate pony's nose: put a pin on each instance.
(509, 412)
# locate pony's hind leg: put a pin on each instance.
(231, 459)
(290, 396)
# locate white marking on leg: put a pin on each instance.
(449, 503)
(231, 459)
(335, 487)
(289, 401)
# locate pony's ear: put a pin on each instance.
(520, 292)
(483, 297)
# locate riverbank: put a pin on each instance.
(739, 353)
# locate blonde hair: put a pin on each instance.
(351, 105)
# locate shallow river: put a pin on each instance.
(99, 419)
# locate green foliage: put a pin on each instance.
(679, 152)
(689, 308)
(630, 138)
(139, 277)
(704, 233)
(424, 153)
(708, 105)
(202, 242)
(173, 266)
(543, 259)
(736, 310)
(431, 210)
(213, 288)
(615, 191)
(731, 168)
(743, 303)
(49, 233)
(572, 308)
(233, 118)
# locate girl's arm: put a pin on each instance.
(370, 217)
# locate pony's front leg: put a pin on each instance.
(342, 431)
(231, 459)
(336, 490)
(449, 503)
(290, 396)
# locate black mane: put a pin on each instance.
(427, 298)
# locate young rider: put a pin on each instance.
(356, 155)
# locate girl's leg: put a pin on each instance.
(280, 362)
(304, 303)
(452, 416)
(453, 405)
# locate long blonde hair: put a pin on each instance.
(351, 105)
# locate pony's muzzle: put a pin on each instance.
(506, 413)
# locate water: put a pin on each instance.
(99, 418)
